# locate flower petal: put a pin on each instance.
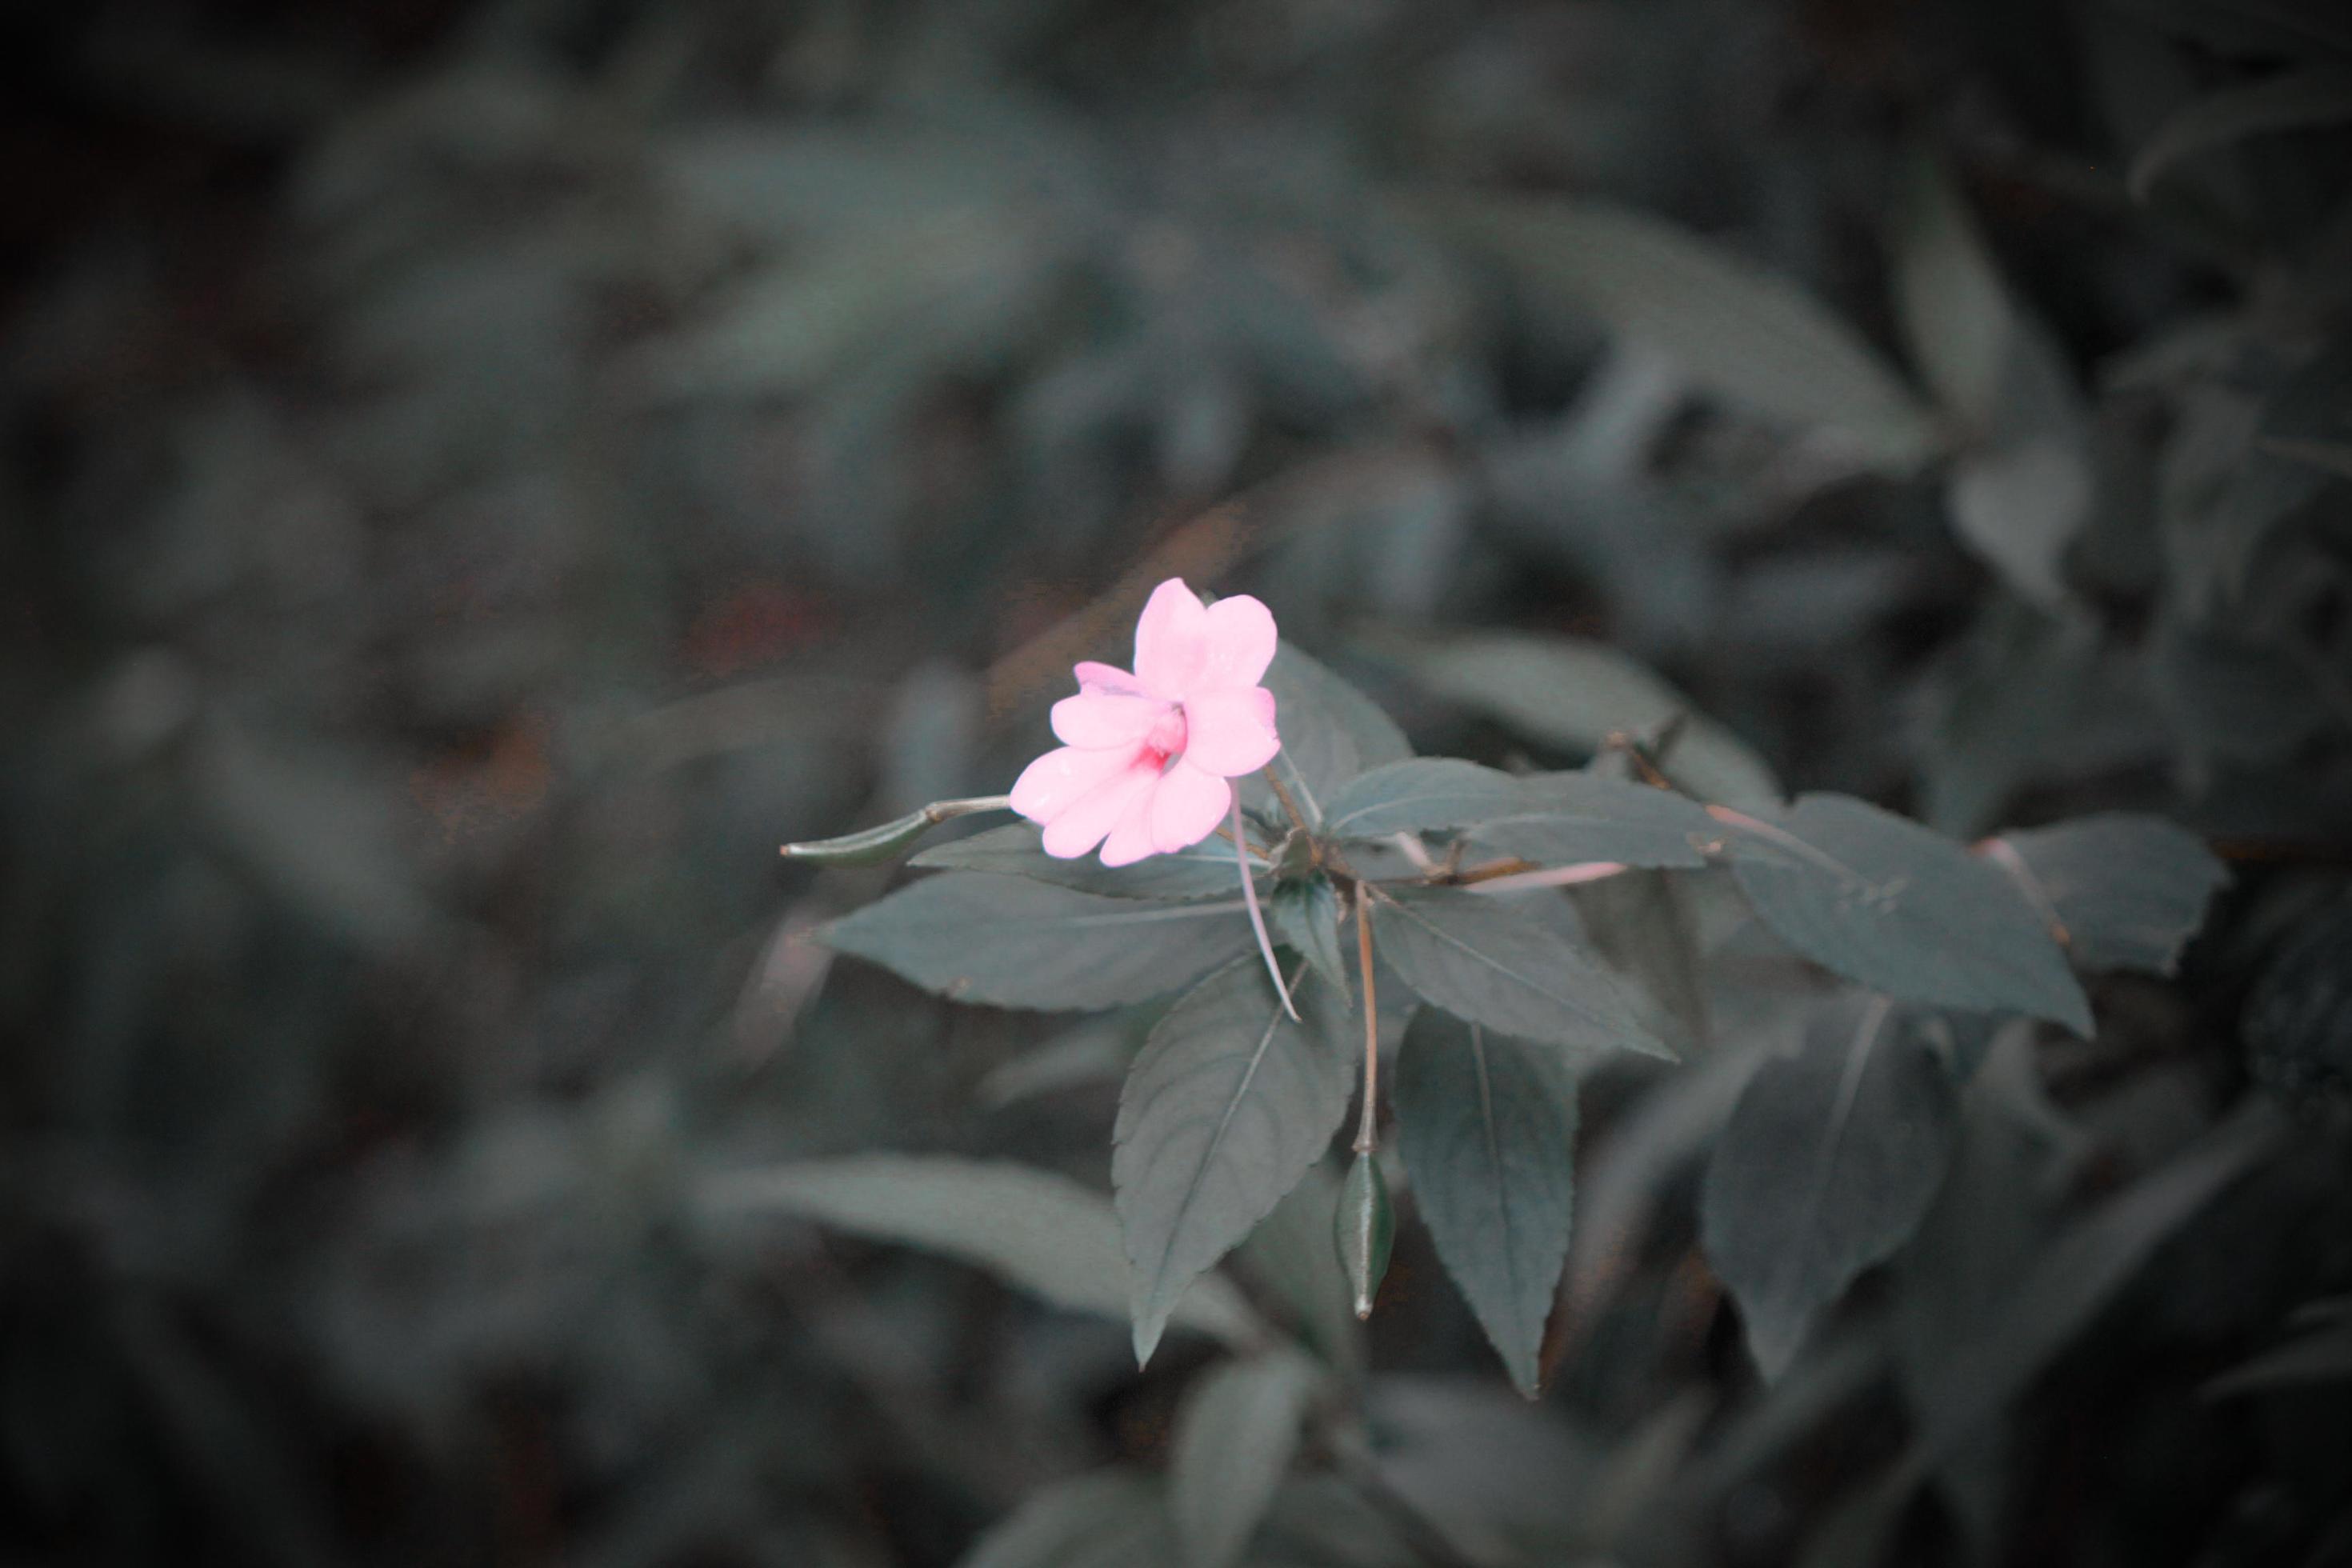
(1241, 643)
(1065, 776)
(1082, 827)
(1131, 840)
(1096, 719)
(1171, 641)
(1109, 677)
(1187, 807)
(1231, 732)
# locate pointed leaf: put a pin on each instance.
(1576, 816)
(976, 937)
(1041, 1232)
(1236, 1434)
(1744, 333)
(1483, 960)
(1331, 732)
(2129, 891)
(1575, 694)
(1827, 1166)
(1206, 870)
(1305, 913)
(2315, 95)
(1487, 1126)
(1644, 923)
(1418, 795)
(1902, 909)
(1228, 1103)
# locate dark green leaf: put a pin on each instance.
(2315, 95)
(1827, 1166)
(1227, 1105)
(1418, 795)
(1886, 902)
(1567, 818)
(2322, 1355)
(1574, 694)
(1041, 1232)
(1331, 732)
(1236, 1433)
(1363, 1230)
(1644, 923)
(975, 937)
(1305, 913)
(2129, 891)
(1201, 870)
(1487, 1128)
(1484, 960)
(1740, 332)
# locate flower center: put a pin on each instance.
(1166, 738)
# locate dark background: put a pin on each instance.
(477, 477)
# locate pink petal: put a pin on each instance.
(1082, 827)
(1096, 719)
(1187, 807)
(1131, 840)
(1109, 677)
(1171, 641)
(1231, 732)
(1241, 642)
(1064, 776)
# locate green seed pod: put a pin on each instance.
(892, 839)
(1365, 1229)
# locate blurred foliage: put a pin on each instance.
(478, 476)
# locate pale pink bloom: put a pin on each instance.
(1146, 757)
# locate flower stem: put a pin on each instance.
(1288, 804)
(1257, 919)
(1366, 1140)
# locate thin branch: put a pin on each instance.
(1257, 919)
(1366, 1140)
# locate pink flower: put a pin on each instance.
(1146, 755)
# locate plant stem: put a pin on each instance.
(1366, 1140)
(1257, 919)
(1288, 804)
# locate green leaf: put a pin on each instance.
(2323, 1355)
(1227, 1105)
(1573, 817)
(1012, 943)
(1363, 1230)
(1827, 1166)
(1331, 732)
(1483, 960)
(887, 841)
(1206, 870)
(1575, 694)
(1487, 1128)
(2077, 1274)
(1043, 1233)
(1644, 924)
(1902, 909)
(2022, 491)
(1744, 333)
(1111, 1518)
(1418, 795)
(1305, 913)
(2129, 891)
(2315, 95)
(1236, 1433)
